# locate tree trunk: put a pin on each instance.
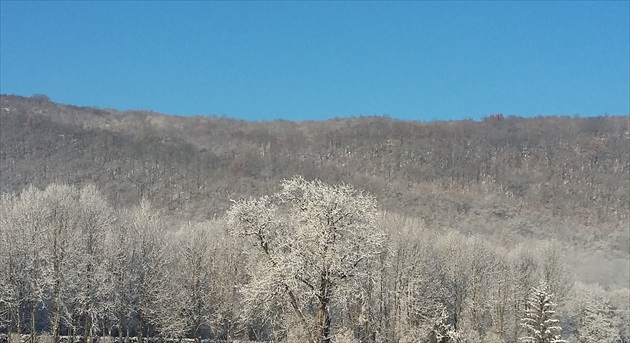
(323, 316)
(120, 327)
(196, 333)
(19, 321)
(56, 308)
(87, 329)
(56, 313)
(298, 312)
(33, 304)
(323, 323)
(140, 324)
(55, 326)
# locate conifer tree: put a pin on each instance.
(540, 320)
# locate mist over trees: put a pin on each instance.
(121, 224)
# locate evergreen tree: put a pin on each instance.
(540, 318)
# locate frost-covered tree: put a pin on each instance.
(553, 270)
(313, 241)
(345, 336)
(148, 261)
(416, 291)
(10, 270)
(453, 261)
(620, 307)
(62, 204)
(24, 231)
(92, 291)
(540, 321)
(118, 257)
(501, 293)
(226, 272)
(593, 315)
(43, 234)
(439, 330)
(522, 278)
(187, 300)
(483, 271)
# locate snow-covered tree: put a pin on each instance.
(482, 268)
(501, 293)
(43, 231)
(453, 263)
(593, 315)
(345, 336)
(24, 231)
(10, 268)
(553, 270)
(186, 302)
(620, 307)
(539, 321)
(91, 278)
(416, 289)
(118, 259)
(523, 277)
(313, 241)
(148, 263)
(440, 331)
(62, 203)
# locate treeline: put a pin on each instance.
(309, 263)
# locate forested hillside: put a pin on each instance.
(568, 174)
(467, 210)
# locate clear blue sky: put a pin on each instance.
(317, 60)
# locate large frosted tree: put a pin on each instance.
(313, 241)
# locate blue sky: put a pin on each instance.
(318, 60)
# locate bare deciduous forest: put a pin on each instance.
(139, 224)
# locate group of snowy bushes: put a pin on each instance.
(312, 263)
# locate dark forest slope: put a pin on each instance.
(544, 177)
